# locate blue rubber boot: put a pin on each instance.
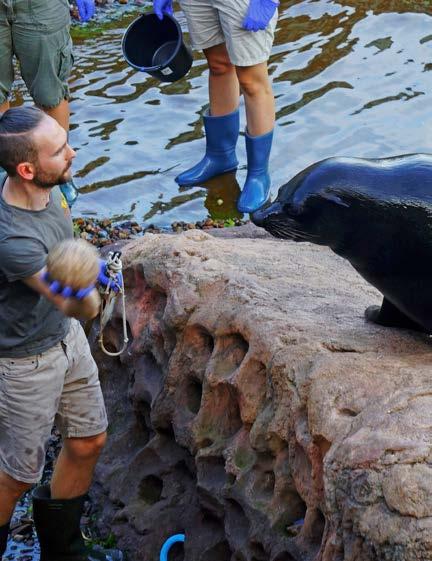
(70, 192)
(220, 157)
(257, 187)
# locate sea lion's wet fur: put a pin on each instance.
(375, 213)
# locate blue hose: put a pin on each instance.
(168, 544)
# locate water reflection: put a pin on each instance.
(350, 77)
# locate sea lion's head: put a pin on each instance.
(310, 207)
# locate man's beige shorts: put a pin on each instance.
(60, 385)
(212, 22)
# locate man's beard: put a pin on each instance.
(48, 181)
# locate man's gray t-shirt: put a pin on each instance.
(29, 323)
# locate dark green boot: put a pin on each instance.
(57, 523)
(4, 531)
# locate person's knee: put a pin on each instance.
(253, 84)
(219, 66)
(218, 61)
(86, 448)
(12, 487)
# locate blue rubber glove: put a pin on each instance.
(66, 291)
(86, 9)
(162, 7)
(104, 278)
(259, 14)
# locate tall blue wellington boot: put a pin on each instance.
(4, 530)
(220, 157)
(257, 187)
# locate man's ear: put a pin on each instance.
(26, 170)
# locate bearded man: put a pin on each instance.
(47, 373)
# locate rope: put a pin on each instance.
(112, 291)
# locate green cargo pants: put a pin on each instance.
(37, 33)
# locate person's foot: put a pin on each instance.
(69, 191)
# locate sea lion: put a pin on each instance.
(377, 214)
(73, 263)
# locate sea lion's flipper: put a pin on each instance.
(389, 316)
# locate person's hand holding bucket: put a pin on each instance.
(162, 7)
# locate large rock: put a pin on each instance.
(258, 413)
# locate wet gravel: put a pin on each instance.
(105, 232)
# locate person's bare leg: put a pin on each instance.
(10, 491)
(74, 468)
(259, 100)
(4, 106)
(60, 113)
(224, 89)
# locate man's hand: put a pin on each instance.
(85, 308)
(259, 14)
(115, 281)
(162, 7)
(65, 291)
(86, 9)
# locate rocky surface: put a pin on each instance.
(258, 413)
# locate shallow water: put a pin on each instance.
(350, 78)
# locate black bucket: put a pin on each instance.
(155, 46)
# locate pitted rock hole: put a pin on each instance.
(231, 478)
(153, 300)
(284, 556)
(211, 472)
(348, 412)
(251, 383)
(164, 427)
(295, 510)
(185, 470)
(212, 509)
(219, 552)
(198, 345)
(219, 416)
(264, 485)
(302, 465)
(258, 552)
(317, 527)
(142, 413)
(323, 444)
(236, 521)
(150, 489)
(228, 354)
(193, 395)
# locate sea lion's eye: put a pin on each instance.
(334, 198)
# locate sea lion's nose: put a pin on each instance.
(260, 215)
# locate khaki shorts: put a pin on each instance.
(212, 22)
(60, 385)
(37, 33)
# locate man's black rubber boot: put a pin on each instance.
(57, 523)
(4, 531)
